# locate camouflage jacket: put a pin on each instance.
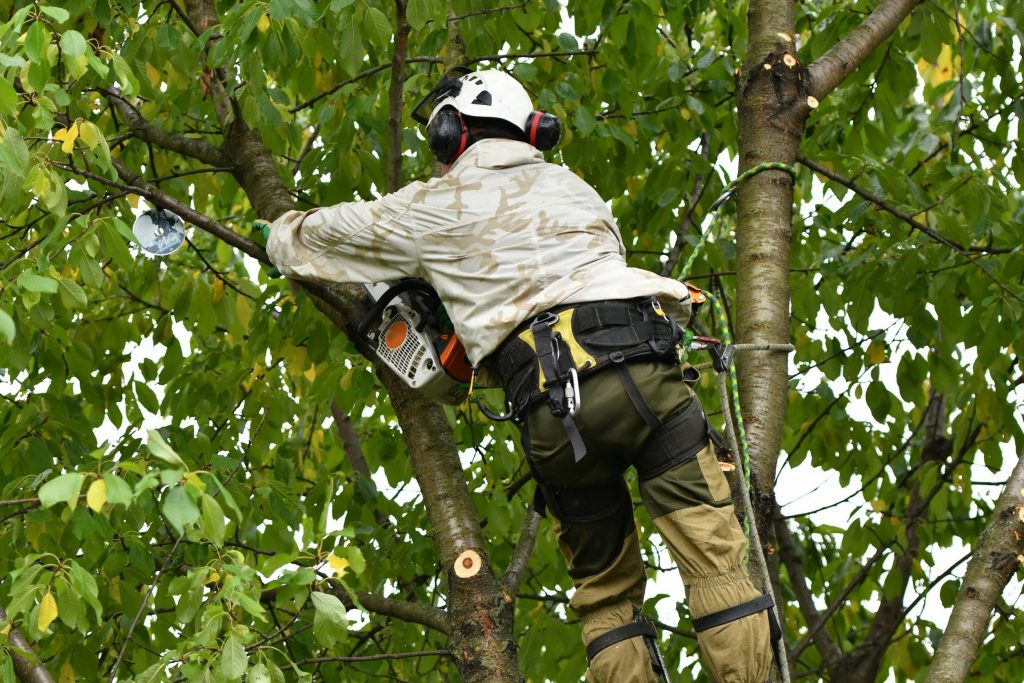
(502, 237)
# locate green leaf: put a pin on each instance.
(8, 98)
(417, 13)
(63, 489)
(379, 24)
(329, 621)
(233, 659)
(34, 282)
(179, 508)
(7, 329)
(259, 673)
(225, 495)
(73, 44)
(213, 520)
(14, 153)
(160, 449)
(36, 41)
(118, 490)
(72, 295)
(58, 14)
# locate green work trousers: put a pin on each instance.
(691, 507)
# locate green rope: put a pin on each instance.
(734, 392)
(732, 388)
(730, 190)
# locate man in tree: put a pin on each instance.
(530, 265)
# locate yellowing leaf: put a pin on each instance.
(69, 139)
(96, 496)
(47, 611)
(192, 479)
(212, 578)
(218, 290)
(876, 353)
(264, 23)
(67, 673)
(243, 311)
(311, 373)
(90, 134)
(153, 74)
(338, 564)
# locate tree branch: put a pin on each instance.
(415, 612)
(375, 658)
(27, 670)
(881, 203)
(144, 130)
(831, 68)
(899, 213)
(521, 555)
(830, 652)
(138, 185)
(995, 559)
(358, 77)
(395, 91)
(687, 222)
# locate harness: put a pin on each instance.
(545, 358)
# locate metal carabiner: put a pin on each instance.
(573, 397)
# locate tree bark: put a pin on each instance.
(26, 670)
(996, 556)
(771, 101)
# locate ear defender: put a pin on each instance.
(543, 130)
(447, 135)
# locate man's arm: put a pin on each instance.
(350, 242)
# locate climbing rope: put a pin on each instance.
(726, 195)
(728, 388)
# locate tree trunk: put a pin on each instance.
(771, 100)
(995, 558)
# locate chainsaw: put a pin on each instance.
(410, 331)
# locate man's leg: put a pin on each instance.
(692, 508)
(605, 566)
(594, 522)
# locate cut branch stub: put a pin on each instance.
(467, 564)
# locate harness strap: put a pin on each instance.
(618, 634)
(541, 328)
(635, 396)
(744, 609)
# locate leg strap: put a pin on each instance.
(618, 634)
(762, 602)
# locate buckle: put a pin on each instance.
(545, 319)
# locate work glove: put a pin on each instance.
(264, 229)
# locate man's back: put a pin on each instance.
(502, 237)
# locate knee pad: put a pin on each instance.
(677, 440)
(591, 504)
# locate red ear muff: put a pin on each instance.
(543, 130)
(447, 135)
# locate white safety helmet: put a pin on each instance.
(480, 95)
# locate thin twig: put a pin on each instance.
(374, 658)
(142, 608)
